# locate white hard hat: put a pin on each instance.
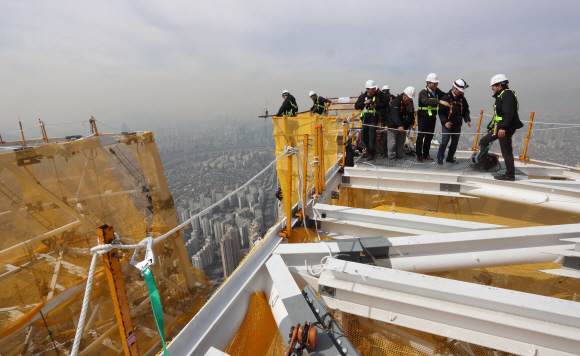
(461, 85)
(312, 93)
(386, 87)
(285, 92)
(410, 91)
(498, 78)
(370, 84)
(433, 78)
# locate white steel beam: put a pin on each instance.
(403, 180)
(463, 185)
(346, 222)
(444, 252)
(506, 320)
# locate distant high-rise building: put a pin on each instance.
(230, 250)
(242, 202)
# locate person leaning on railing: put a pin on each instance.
(504, 123)
(452, 118)
(289, 106)
(319, 104)
(401, 117)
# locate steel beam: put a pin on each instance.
(506, 320)
(462, 185)
(444, 252)
(346, 222)
(403, 180)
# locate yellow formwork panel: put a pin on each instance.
(52, 198)
(293, 129)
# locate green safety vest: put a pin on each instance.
(291, 111)
(323, 107)
(497, 118)
(373, 111)
(429, 108)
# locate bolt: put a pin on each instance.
(339, 341)
(344, 350)
(317, 310)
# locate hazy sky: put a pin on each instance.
(148, 63)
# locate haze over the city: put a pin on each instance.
(148, 64)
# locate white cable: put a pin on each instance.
(188, 221)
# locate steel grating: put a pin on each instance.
(411, 162)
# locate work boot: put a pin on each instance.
(440, 161)
(452, 160)
(428, 158)
(419, 159)
(370, 158)
(504, 177)
(365, 155)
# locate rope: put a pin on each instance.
(102, 249)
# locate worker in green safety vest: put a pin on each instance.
(429, 100)
(371, 103)
(504, 123)
(319, 104)
(289, 107)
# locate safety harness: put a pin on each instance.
(292, 109)
(430, 108)
(366, 110)
(455, 100)
(496, 117)
(321, 107)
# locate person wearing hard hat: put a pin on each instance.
(504, 123)
(319, 106)
(401, 117)
(289, 106)
(452, 117)
(387, 94)
(371, 103)
(429, 100)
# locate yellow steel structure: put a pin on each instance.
(118, 292)
(523, 157)
(477, 134)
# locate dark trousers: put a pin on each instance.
(423, 145)
(455, 129)
(505, 143)
(369, 135)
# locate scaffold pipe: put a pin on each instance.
(523, 157)
(477, 135)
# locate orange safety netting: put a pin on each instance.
(52, 199)
(293, 129)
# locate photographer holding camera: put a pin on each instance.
(372, 102)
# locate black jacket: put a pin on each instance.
(458, 112)
(400, 114)
(319, 105)
(385, 112)
(506, 106)
(426, 99)
(367, 115)
(289, 107)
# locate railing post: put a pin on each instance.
(94, 125)
(22, 132)
(477, 134)
(118, 292)
(316, 161)
(305, 170)
(523, 157)
(322, 169)
(344, 141)
(415, 129)
(288, 198)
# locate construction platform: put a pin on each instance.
(411, 162)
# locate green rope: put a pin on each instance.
(156, 305)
